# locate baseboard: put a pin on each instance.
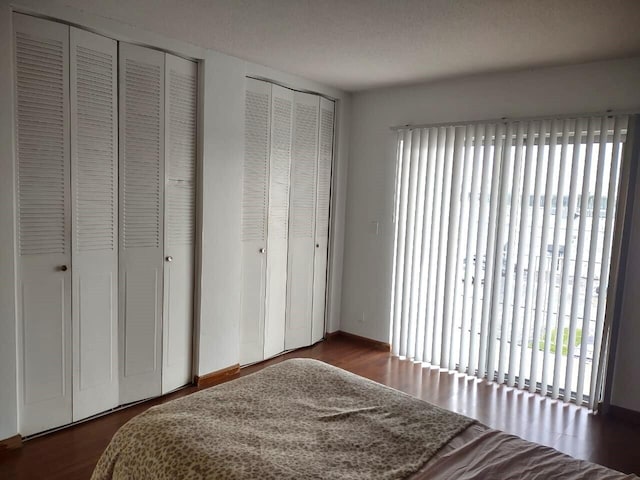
(11, 442)
(378, 345)
(216, 377)
(624, 414)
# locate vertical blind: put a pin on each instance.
(503, 237)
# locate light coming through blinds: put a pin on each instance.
(502, 250)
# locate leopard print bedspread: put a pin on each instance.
(297, 419)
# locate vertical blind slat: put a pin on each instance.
(473, 174)
(593, 244)
(512, 224)
(580, 250)
(484, 353)
(452, 257)
(569, 248)
(440, 332)
(597, 369)
(405, 152)
(434, 143)
(543, 265)
(522, 233)
(533, 236)
(547, 365)
(423, 248)
(417, 238)
(408, 248)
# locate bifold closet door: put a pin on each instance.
(323, 199)
(278, 220)
(302, 220)
(180, 212)
(141, 232)
(254, 219)
(94, 206)
(44, 224)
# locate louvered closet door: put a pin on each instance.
(254, 220)
(323, 198)
(302, 220)
(278, 220)
(141, 220)
(180, 216)
(94, 206)
(44, 254)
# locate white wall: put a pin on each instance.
(222, 129)
(8, 402)
(368, 257)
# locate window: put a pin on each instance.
(501, 261)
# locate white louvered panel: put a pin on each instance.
(254, 217)
(180, 212)
(301, 247)
(142, 154)
(325, 160)
(280, 164)
(95, 188)
(325, 156)
(181, 154)
(256, 156)
(277, 228)
(41, 108)
(94, 206)
(142, 189)
(303, 170)
(43, 289)
(182, 98)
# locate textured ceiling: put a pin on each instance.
(362, 44)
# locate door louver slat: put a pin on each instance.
(141, 192)
(181, 170)
(324, 173)
(95, 182)
(303, 175)
(41, 151)
(254, 201)
(280, 165)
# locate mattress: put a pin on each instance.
(306, 419)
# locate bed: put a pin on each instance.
(303, 418)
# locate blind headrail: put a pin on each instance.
(504, 120)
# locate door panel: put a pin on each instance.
(141, 218)
(323, 199)
(302, 220)
(94, 205)
(44, 256)
(254, 220)
(180, 208)
(278, 220)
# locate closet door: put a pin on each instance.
(302, 220)
(323, 198)
(94, 206)
(278, 220)
(180, 211)
(44, 227)
(254, 220)
(141, 220)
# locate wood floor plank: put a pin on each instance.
(72, 453)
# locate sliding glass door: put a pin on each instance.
(503, 246)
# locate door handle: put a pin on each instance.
(169, 258)
(63, 268)
(262, 250)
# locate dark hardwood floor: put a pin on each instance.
(71, 453)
